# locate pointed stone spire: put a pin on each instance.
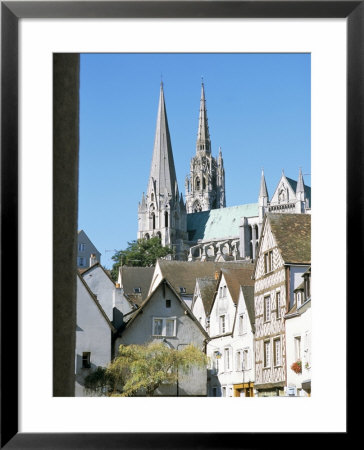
(162, 169)
(203, 135)
(300, 184)
(263, 186)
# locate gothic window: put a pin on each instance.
(153, 221)
(203, 183)
(159, 235)
(152, 197)
(197, 184)
(166, 219)
(146, 236)
(197, 207)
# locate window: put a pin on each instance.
(246, 359)
(220, 292)
(227, 359)
(267, 308)
(277, 352)
(297, 347)
(268, 261)
(182, 290)
(166, 219)
(215, 361)
(224, 391)
(86, 360)
(239, 361)
(81, 261)
(222, 324)
(81, 247)
(137, 290)
(168, 303)
(164, 326)
(197, 184)
(224, 291)
(242, 323)
(267, 354)
(278, 304)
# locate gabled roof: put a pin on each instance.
(183, 304)
(236, 278)
(248, 292)
(221, 223)
(93, 297)
(207, 287)
(185, 273)
(292, 233)
(83, 272)
(136, 277)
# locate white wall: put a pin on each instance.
(93, 334)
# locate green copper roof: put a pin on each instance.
(218, 223)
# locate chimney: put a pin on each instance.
(216, 274)
(92, 259)
(117, 285)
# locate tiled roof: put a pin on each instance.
(207, 287)
(136, 277)
(238, 277)
(222, 223)
(184, 273)
(293, 183)
(248, 292)
(293, 236)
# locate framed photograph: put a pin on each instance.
(41, 45)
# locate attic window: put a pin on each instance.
(182, 290)
(168, 303)
(137, 290)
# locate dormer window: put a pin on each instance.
(182, 290)
(137, 290)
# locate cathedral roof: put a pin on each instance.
(162, 170)
(307, 189)
(222, 223)
(292, 233)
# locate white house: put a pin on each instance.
(109, 295)
(231, 348)
(202, 299)
(164, 317)
(94, 333)
(298, 338)
(87, 253)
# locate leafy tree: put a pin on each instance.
(142, 253)
(144, 368)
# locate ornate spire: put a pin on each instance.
(203, 136)
(300, 184)
(263, 186)
(162, 169)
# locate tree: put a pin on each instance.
(142, 253)
(143, 368)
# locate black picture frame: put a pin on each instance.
(11, 12)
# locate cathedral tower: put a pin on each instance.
(205, 186)
(162, 211)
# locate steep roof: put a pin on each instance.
(293, 236)
(238, 277)
(185, 273)
(207, 286)
(219, 223)
(248, 292)
(203, 134)
(184, 306)
(136, 277)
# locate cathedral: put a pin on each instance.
(201, 227)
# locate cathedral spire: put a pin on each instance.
(162, 169)
(203, 136)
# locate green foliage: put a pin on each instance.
(99, 381)
(142, 253)
(144, 368)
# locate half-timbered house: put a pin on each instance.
(284, 254)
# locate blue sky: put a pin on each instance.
(259, 112)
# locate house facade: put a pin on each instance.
(298, 332)
(87, 253)
(284, 254)
(164, 317)
(231, 346)
(94, 333)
